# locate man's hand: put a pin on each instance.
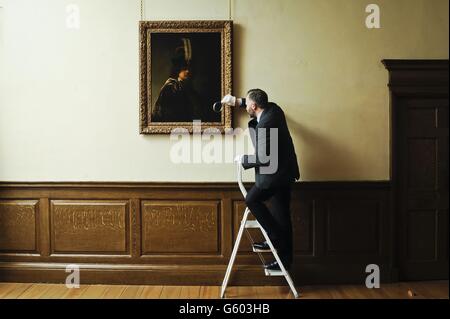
(229, 100)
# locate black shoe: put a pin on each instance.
(275, 266)
(272, 266)
(261, 246)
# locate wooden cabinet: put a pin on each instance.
(419, 109)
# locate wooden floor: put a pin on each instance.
(417, 290)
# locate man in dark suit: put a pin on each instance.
(276, 169)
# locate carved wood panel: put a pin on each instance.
(82, 226)
(177, 226)
(18, 225)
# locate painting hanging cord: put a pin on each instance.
(230, 9)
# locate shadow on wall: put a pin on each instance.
(238, 51)
(325, 159)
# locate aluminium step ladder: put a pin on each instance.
(245, 225)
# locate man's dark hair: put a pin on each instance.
(259, 96)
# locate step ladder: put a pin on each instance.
(245, 225)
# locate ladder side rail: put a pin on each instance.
(234, 253)
(277, 258)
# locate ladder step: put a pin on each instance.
(252, 224)
(269, 272)
(261, 250)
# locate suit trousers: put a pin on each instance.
(277, 221)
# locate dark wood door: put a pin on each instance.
(422, 196)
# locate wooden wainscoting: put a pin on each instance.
(159, 233)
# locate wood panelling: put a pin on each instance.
(183, 233)
(353, 228)
(238, 212)
(302, 227)
(18, 226)
(422, 235)
(84, 227)
(422, 172)
(180, 227)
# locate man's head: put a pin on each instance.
(181, 64)
(256, 101)
(184, 74)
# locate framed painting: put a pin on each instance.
(185, 67)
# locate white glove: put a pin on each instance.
(238, 158)
(229, 100)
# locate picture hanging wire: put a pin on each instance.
(230, 9)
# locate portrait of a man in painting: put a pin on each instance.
(193, 81)
(185, 69)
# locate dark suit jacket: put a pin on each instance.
(287, 170)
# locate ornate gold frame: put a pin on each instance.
(145, 30)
